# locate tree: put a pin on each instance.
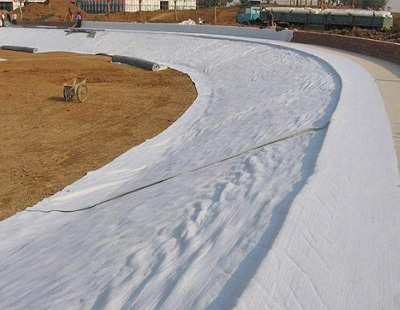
(211, 3)
(373, 4)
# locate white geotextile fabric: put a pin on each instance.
(188, 22)
(308, 222)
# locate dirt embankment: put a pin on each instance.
(49, 11)
(47, 143)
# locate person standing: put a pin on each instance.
(270, 19)
(3, 20)
(78, 20)
(14, 18)
(70, 14)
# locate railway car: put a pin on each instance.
(317, 18)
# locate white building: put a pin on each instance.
(153, 5)
(11, 5)
(96, 6)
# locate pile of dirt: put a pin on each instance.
(49, 11)
(47, 143)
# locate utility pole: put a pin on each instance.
(20, 8)
(176, 15)
(215, 11)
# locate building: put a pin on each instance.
(11, 5)
(96, 6)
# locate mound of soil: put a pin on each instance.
(47, 143)
(49, 11)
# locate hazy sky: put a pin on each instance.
(395, 5)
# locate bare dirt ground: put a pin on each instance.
(47, 143)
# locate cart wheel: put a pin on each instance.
(68, 94)
(82, 93)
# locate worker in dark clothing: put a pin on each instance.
(270, 19)
(70, 14)
(14, 18)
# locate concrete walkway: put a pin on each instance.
(387, 77)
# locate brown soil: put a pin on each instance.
(47, 143)
(225, 16)
(57, 11)
(49, 11)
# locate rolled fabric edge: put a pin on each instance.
(20, 48)
(139, 63)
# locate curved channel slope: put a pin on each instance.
(199, 216)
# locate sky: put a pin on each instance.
(395, 5)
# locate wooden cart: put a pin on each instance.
(75, 87)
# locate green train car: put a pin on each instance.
(319, 19)
(248, 14)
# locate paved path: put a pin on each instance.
(387, 77)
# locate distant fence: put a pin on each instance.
(101, 6)
(163, 5)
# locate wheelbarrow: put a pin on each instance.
(75, 87)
